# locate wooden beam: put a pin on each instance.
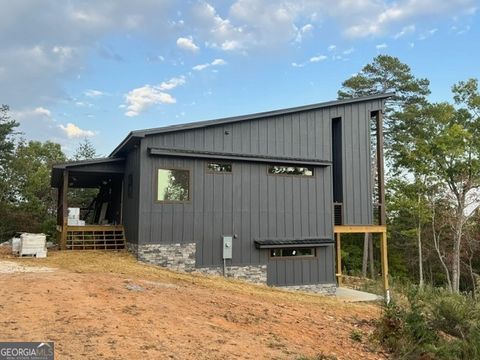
(384, 255)
(339, 259)
(359, 229)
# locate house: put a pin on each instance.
(263, 197)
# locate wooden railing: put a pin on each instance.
(95, 237)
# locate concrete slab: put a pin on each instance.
(350, 295)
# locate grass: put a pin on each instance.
(124, 263)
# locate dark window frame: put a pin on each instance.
(313, 256)
(155, 186)
(208, 171)
(294, 166)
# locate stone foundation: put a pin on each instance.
(256, 274)
(326, 289)
(180, 257)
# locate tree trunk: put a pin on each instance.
(365, 255)
(456, 270)
(420, 254)
(436, 243)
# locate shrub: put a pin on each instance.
(434, 324)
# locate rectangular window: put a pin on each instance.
(293, 252)
(290, 170)
(173, 185)
(218, 167)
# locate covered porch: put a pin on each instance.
(101, 225)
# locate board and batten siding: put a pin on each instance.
(248, 203)
(303, 271)
(306, 134)
(130, 212)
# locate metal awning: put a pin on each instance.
(292, 243)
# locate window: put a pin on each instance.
(219, 167)
(293, 252)
(173, 185)
(290, 170)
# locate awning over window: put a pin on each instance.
(292, 243)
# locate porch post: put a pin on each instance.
(64, 211)
(384, 255)
(339, 259)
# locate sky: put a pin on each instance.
(71, 70)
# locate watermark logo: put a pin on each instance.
(26, 351)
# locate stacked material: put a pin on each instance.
(33, 244)
(74, 217)
(16, 243)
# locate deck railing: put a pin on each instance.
(95, 237)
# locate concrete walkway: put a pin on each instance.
(350, 295)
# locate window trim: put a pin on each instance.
(155, 186)
(314, 172)
(302, 257)
(208, 171)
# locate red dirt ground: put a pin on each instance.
(108, 306)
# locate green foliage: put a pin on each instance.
(85, 150)
(434, 324)
(356, 335)
(388, 74)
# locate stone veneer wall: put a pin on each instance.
(252, 273)
(180, 257)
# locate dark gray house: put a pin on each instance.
(258, 196)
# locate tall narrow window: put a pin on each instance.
(290, 170)
(173, 185)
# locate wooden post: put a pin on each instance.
(64, 219)
(384, 255)
(339, 259)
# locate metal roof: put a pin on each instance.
(200, 124)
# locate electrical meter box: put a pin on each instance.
(227, 247)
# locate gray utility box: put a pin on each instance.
(227, 247)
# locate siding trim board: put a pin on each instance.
(292, 243)
(190, 153)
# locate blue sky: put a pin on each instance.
(87, 69)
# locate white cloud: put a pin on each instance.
(42, 111)
(381, 46)
(139, 99)
(201, 67)
(317, 58)
(187, 44)
(428, 34)
(93, 93)
(172, 83)
(216, 62)
(332, 47)
(348, 51)
(294, 64)
(303, 31)
(73, 131)
(405, 31)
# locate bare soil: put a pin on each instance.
(98, 305)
